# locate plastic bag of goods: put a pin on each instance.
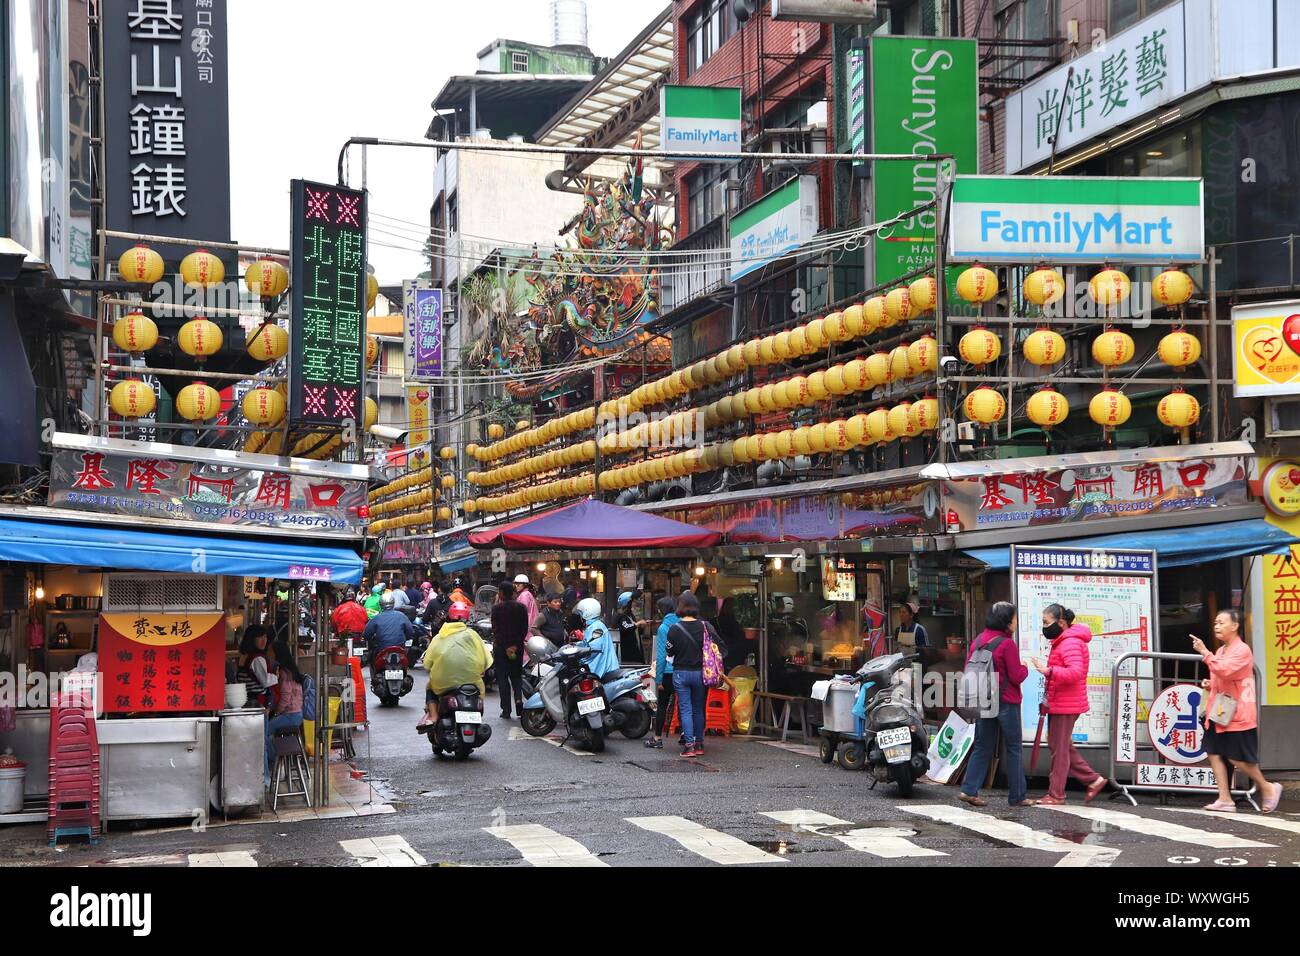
(742, 702)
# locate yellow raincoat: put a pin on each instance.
(456, 656)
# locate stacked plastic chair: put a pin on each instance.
(74, 769)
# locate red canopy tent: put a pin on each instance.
(591, 525)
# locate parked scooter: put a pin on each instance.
(483, 626)
(390, 676)
(631, 700)
(895, 740)
(460, 728)
(571, 694)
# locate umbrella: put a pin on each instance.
(590, 525)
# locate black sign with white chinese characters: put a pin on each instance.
(328, 261)
(167, 121)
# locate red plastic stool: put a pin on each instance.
(717, 713)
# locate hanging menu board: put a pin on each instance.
(328, 262)
(1112, 592)
(155, 662)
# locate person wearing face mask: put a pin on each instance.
(1066, 673)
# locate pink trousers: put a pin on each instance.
(1066, 759)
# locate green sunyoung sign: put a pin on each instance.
(923, 100)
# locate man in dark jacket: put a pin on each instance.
(509, 631)
(550, 624)
(413, 592)
(389, 628)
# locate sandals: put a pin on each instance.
(1094, 788)
(654, 743)
(1219, 806)
(1050, 801)
(1270, 803)
(973, 801)
(1025, 803)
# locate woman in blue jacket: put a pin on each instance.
(663, 672)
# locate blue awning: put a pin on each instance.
(458, 564)
(110, 546)
(1174, 547)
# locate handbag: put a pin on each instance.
(1222, 709)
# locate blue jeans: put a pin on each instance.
(691, 694)
(278, 723)
(986, 741)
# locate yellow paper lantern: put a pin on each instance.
(199, 338)
(472, 450)
(198, 402)
(1044, 347)
(1047, 407)
(898, 306)
(873, 314)
(924, 293)
(879, 369)
(856, 427)
(132, 399)
(818, 388)
(140, 264)
(1179, 349)
(923, 354)
(448, 482)
(135, 332)
(925, 415)
(796, 391)
(768, 449)
(799, 342)
(900, 421)
(767, 398)
(521, 426)
(201, 268)
(1112, 348)
(767, 350)
(740, 450)
(469, 507)
(266, 278)
(1044, 286)
(754, 447)
(371, 415)
(268, 342)
(855, 321)
(372, 350)
(753, 352)
(263, 406)
(1178, 409)
(782, 347)
(496, 430)
(1110, 408)
(814, 335)
(979, 346)
(977, 284)
(878, 430)
(900, 363)
(835, 329)
(446, 453)
(784, 444)
(984, 405)
(837, 382)
(858, 376)
(803, 441)
(1172, 287)
(1109, 287)
(372, 291)
(817, 439)
(837, 436)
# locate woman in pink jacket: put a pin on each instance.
(1232, 672)
(1066, 673)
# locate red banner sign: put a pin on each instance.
(153, 662)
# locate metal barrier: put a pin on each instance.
(1170, 766)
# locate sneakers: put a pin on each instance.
(693, 750)
(655, 743)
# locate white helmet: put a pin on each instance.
(523, 579)
(588, 609)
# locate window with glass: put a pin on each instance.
(1025, 20)
(1122, 14)
(707, 29)
(1174, 154)
(706, 194)
(519, 62)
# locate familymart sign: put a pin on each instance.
(700, 118)
(775, 226)
(1076, 219)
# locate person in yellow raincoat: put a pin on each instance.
(456, 656)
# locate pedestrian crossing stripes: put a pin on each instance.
(1253, 819)
(518, 733)
(382, 851)
(542, 846)
(890, 843)
(1160, 828)
(1017, 834)
(714, 845)
(223, 858)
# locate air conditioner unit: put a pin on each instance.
(1281, 417)
(170, 592)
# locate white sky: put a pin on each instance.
(307, 74)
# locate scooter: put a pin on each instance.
(483, 627)
(894, 738)
(569, 692)
(631, 700)
(390, 676)
(460, 728)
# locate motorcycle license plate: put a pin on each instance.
(593, 706)
(900, 754)
(392, 675)
(468, 717)
(894, 737)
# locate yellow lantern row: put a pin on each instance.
(528, 438)
(413, 480)
(409, 521)
(575, 454)
(418, 499)
(537, 494)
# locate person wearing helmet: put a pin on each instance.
(455, 656)
(629, 630)
(372, 602)
(349, 619)
(458, 593)
(389, 628)
(524, 595)
(596, 635)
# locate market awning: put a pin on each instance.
(458, 564)
(109, 546)
(592, 525)
(1174, 547)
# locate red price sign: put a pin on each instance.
(162, 662)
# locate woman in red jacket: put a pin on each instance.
(1066, 672)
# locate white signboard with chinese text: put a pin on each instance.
(1175, 723)
(1127, 722)
(1129, 75)
(1112, 592)
(775, 226)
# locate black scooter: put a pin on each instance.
(895, 740)
(460, 728)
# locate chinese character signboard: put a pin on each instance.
(775, 226)
(167, 120)
(923, 100)
(1126, 725)
(1088, 493)
(154, 662)
(1281, 635)
(1174, 723)
(1076, 219)
(422, 332)
(1266, 349)
(141, 486)
(418, 435)
(1112, 593)
(328, 260)
(1134, 72)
